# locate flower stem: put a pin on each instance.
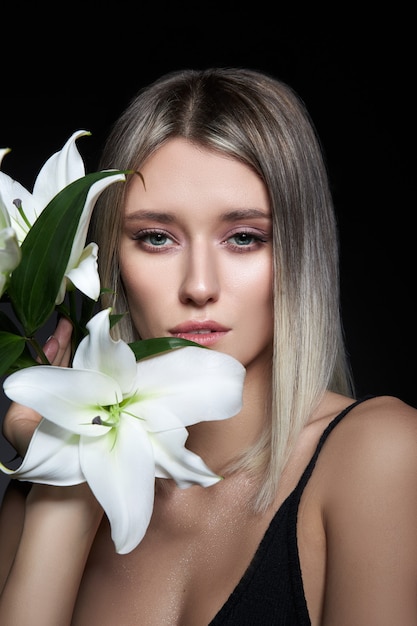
(38, 350)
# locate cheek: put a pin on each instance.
(254, 283)
(260, 308)
(135, 282)
(141, 298)
(138, 278)
(147, 290)
(253, 297)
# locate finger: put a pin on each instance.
(63, 334)
(58, 347)
(50, 349)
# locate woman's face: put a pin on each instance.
(196, 252)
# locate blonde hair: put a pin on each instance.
(262, 122)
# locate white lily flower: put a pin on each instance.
(61, 169)
(10, 253)
(118, 424)
(3, 151)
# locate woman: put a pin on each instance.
(228, 238)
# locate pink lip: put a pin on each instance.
(205, 333)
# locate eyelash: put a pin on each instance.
(256, 239)
(144, 235)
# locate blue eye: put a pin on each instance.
(244, 239)
(153, 238)
(156, 239)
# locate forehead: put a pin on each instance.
(181, 172)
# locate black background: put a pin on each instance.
(353, 68)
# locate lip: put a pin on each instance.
(206, 333)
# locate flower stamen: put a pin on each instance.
(18, 204)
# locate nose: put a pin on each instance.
(200, 283)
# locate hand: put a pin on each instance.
(20, 421)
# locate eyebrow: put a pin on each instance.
(239, 214)
(160, 216)
(166, 217)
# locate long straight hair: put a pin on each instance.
(262, 122)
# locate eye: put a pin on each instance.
(246, 240)
(153, 239)
(243, 239)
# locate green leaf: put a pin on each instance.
(46, 250)
(115, 319)
(24, 360)
(149, 347)
(11, 347)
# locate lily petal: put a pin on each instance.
(77, 250)
(188, 385)
(11, 190)
(84, 276)
(121, 473)
(11, 248)
(3, 152)
(10, 255)
(52, 457)
(61, 169)
(98, 351)
(68, 397)
(173, 460)
(4, 214)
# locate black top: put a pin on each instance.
(271, 591)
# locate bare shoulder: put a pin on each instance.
(367, 480)
(386, 407)
(368, 475)
(370, 456)
(377, 429)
